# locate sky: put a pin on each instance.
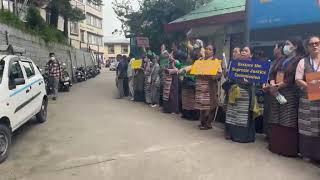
(110, 20)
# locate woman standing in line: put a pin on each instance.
(285, 101)
(309, 111)
(155, 82)
(189, 83)
(147, 80)
(207, 93)
(240, 126)
(170, 88)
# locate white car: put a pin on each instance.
(22, 96)
(113, 65)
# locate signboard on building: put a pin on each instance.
(142, 42)
(278, 13)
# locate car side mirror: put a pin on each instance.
(15, 82)
(19, 81)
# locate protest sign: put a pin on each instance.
(206, 67)
(313, 88)
(253, 71)
(142, 42)
(136, 64)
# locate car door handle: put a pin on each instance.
(28, 90)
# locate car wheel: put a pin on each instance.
(5, 142)
(42, 114)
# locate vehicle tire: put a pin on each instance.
(42, 114)
(5, 142)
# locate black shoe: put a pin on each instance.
(54, 98)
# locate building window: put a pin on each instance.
(94, 39)
(99, 8)
(110, 49)
(94, 21)
(82, 36)
(74, 28)
(48, 15)
(124, 49)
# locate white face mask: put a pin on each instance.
(52, 58)
(287, 50)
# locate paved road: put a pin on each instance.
(91, 135)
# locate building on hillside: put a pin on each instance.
(115, 47)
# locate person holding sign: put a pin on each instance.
(207, 93)
(283, 120)
(240, 126)
(308, 79)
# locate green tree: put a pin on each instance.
(151, 17)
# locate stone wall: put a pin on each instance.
(38, 50)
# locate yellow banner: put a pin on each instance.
(206, 67)
(136, 64)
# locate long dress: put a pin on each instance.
(139, 86)
(240, 126)
(155, 84)
(283, 120)
(188, 98)
(309, 120)
(171, 92)
(147, 82)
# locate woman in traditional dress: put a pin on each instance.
(139, 84)
(155, 82)
(283, 120)
(309, 111)
(147, 79)
(164, 64)
(278, 55)
(207, 93)
(188, 91)
(240, 126)
(170, 88)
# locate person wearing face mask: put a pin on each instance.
(55, 74)
(309, 111)
(283, 135)
(240, 126)
(206, 93)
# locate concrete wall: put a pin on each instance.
(38, 50)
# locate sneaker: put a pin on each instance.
(132, 99)
(154, 105)
(54, 98)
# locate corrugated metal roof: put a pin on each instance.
(214, 8)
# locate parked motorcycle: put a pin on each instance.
(45, 74)
(80, 74)
(65, 82)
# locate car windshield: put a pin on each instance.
(1, 70)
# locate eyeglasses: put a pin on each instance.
(314, 44)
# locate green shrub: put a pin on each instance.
(35, 25)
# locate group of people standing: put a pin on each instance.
(291, 121)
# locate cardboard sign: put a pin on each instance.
(313, 88)
(136, 64)
(254, 71)
(142, 42)
(206, 67)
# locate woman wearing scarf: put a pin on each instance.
(240, 126)
(285, 101)
(207, 93)
(164, 64)
(147, 79)
(170, 88)
(309, 111)
(155, 82)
